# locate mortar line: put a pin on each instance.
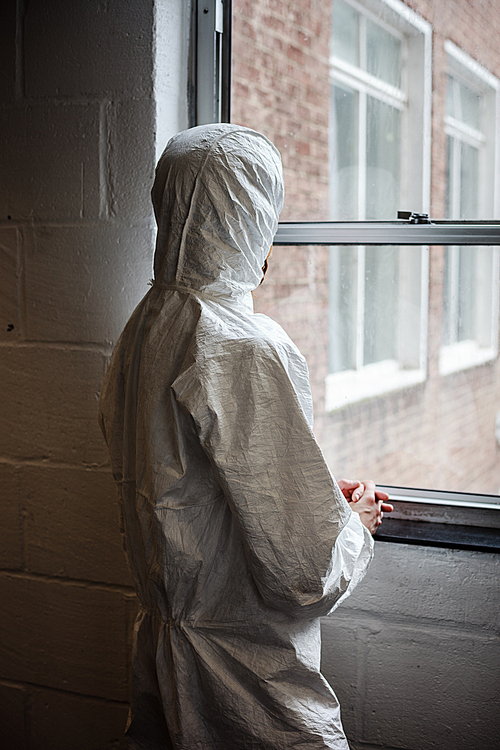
(104, 349)
(26, 685)
(48, 464)
(417, 623)
(80, 582)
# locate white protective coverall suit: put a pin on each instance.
(237, 536)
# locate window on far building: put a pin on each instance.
(380, 84)
(470, 309)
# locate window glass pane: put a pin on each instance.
(382, 160)
(469, 304)
(432, 431)
(345, 32)
(401, 342)
(380, 313)
(342, 309)
(450, 297)
(450, 178)
(468, 182)
(463, 103)
(344, 154)
(466, 294)
(469, 106)
(452, 109)
(382, 54)
(338, 132)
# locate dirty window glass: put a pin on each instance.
(401, 342)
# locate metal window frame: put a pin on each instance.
(209, 84)
(400, 232)
(459, 520)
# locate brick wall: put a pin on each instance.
(80, 103)
(280, 63)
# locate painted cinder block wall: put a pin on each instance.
(90, 90)
(414, 654)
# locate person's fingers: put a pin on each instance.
(358, 493)
(352, 489)
(369, 490)
(348, 484)
(387, 507)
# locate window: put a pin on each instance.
(387, 409)
(470, 308)
(367, 106)
(378, 145)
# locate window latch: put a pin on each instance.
(414, 218)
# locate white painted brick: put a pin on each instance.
(131, 160)
(339, 664)
(82, 48)
(61, 721)
(73, 510)
(51, 169)
(430, 688)
(171, 71)
(49, 404)
(437, 584)
(65, 636)
(11, 542)
(83, 282)
(8, 50)
(10, 319)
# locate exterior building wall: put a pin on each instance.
(80, 104)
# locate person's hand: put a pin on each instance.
(365, 499)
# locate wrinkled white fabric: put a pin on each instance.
(237, 536)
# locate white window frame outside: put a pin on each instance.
(462, 355)
(414, 99)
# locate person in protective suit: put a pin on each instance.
(237, 536)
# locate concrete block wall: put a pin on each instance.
(414, 654)
(89, 92)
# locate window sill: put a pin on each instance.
(433, 518)
(439, 535)
(378, 379)
(464, 355)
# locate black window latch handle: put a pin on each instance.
(414, 218)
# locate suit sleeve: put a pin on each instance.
(305, 550)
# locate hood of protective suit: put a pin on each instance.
(217, 196)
